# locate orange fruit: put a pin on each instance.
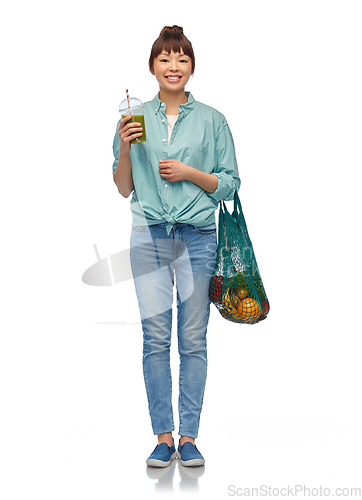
(248, 309)
(237, 303)
(242, 293)
(232, 297)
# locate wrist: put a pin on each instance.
(189, 173)
(123, 154)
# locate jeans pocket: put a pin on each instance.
(210, 229)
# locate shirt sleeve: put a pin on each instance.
(116, 146)
(226, 167)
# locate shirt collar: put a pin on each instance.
(186, 108)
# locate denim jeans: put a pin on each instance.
(187, 255)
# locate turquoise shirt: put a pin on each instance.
(201, 138)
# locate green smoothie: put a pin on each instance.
(140, 119)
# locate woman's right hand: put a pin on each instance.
(125, 133)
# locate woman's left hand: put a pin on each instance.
(173, 170)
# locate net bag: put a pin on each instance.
(236, 287)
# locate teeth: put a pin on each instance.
(173, 77)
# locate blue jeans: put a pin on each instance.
(188, 254)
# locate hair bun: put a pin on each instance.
(167, 29)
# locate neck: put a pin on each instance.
(172, 100)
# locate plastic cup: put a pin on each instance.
(137, 112)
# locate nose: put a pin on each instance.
(173, 66)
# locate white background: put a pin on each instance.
(282, 403)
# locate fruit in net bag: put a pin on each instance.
(236, 287)
(249, 309)
(229, 302)
(215, 292)
(237, 304)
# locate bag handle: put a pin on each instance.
(237, 213)
(237, 216)
(223, 222)
(240, 220)
(237, 208)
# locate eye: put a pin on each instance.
(183, 61)
(164, 60)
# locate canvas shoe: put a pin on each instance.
(162, 455)
(190, 455)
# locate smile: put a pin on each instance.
(173, 78)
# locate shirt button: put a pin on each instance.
(155, 109)
(163, 140)
(162, 104)
(163, 121)
(166, 185)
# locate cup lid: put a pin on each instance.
(133, 102)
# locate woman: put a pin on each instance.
(178, 176)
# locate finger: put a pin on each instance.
(124, 120)
(133, 128)
(131, 125)
(129, 131)
(131, 137)
(126, 132)
(125, 126)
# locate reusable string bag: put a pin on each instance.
(236, 287)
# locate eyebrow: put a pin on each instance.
(167, 54)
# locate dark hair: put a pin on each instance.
(172, 38)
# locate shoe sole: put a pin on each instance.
(153, 462)
(191, 463)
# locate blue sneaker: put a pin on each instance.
(190, 455)
(162, 455)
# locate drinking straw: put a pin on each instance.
(129, 107)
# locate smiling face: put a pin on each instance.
(173, 70)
